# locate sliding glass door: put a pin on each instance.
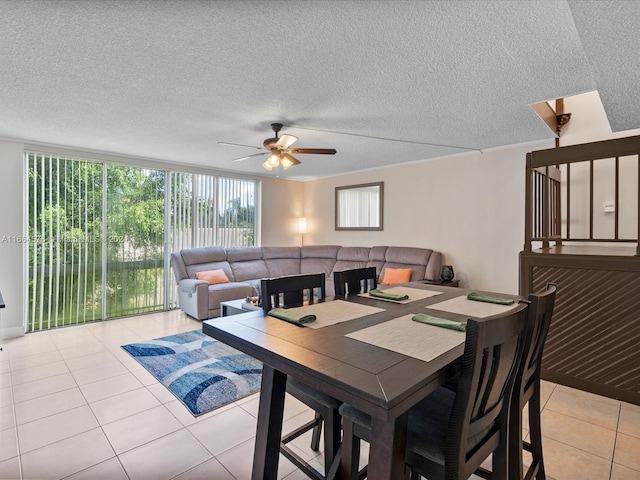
(100, 235)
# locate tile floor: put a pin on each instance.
(74, 405)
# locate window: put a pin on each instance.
(359, 207)
(100, 235)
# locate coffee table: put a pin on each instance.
(234, 307)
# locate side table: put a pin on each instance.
(443, 283)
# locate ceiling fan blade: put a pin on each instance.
(292, 159)
(239, 145)
(250, 156)
(285, 141)
(317, 151)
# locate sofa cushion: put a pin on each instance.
(247, 263)
(318, 259)
(282, 261)
(196, 256)
(377, 258)
(401, 257)
(224, 265)
(213, 277)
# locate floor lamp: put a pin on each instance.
(302, 228)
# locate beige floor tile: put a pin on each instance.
(239, 461)
(212, 469)
(618, 472)
(569, 463)
(99, 372)
(39, 372)
(110, 387)
(41, 388)
(630, 420)
(577, 433)
(585, 406)
(123, 405)
(10, 469)
(144, 377)
(627, 451)
(107, 470)
(143, 427)
(35, 360)
(237, 424)
(8, 444)
(82, 350)
(51, 429)
(546, 389)
(182, 413)
(6, 396)
(67, 457)
(161, 392)
(165, 457)
(92, 359)
(7, 417)
(41, 407)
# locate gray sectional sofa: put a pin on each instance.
(246, 266)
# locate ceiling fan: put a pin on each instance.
(278, 148)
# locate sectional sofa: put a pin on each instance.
(244, 267)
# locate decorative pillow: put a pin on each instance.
(213, 276)
(396, 275)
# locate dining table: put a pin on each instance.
(362, 350)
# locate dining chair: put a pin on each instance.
(291, 291)
(527, 390)
(354, 281)
(450, 433)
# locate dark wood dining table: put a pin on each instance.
(380, 382)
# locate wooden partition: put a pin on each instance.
(594, 340)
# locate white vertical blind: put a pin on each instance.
(100, 235)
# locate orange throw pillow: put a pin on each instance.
(213, 276)
(396, 275)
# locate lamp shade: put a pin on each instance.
(302, 225)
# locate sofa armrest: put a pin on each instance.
(190, 285)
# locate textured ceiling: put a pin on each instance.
(382, 82)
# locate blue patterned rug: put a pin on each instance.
(201, 372)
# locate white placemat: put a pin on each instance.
(403, 335)
(413, 293)
(472, 308)
(337, 311)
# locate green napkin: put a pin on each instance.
(298, 318)
(388, 296)
(439, 322)
(484, 298)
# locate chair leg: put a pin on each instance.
(332, 431)
(317, 432)
(499, 466)
(350, 451)
(535, 434)
(515, 440)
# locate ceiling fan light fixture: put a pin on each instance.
(273, 160)
(285, 162)
(267, 166)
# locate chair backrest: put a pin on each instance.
(492, 358)
(540, 313)
(290, 291)
(355, 280)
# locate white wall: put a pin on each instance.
(469, 207)
(11, 264)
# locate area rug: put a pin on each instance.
(201, 372)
